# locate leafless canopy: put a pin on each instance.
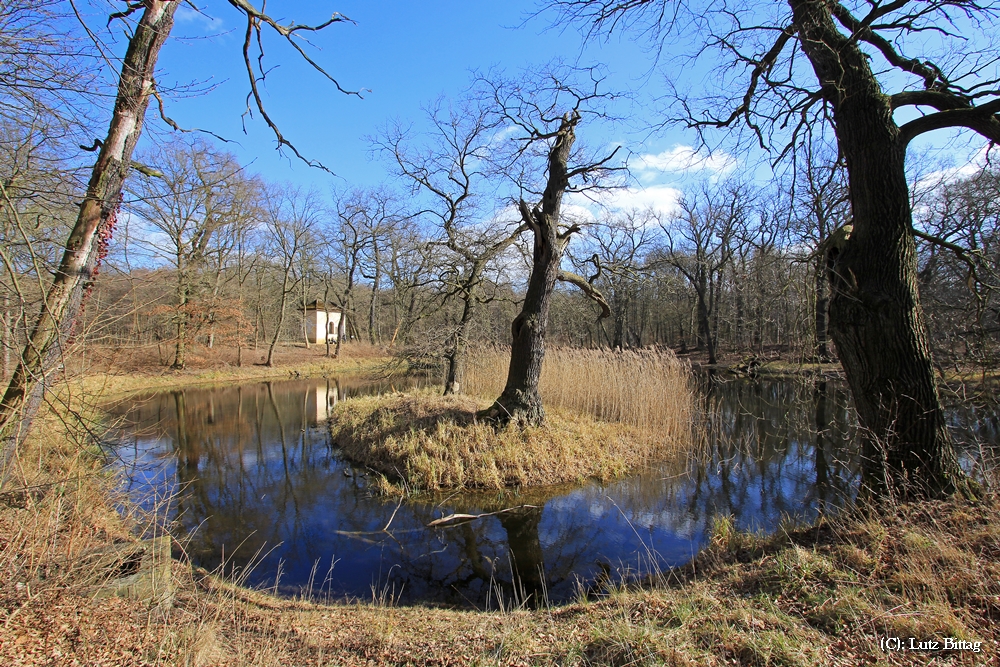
(935, 59)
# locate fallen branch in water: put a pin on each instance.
(452, 518)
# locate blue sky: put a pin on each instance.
(402, 55)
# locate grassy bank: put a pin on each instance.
(607, 414)
(109, 372)
(821, 595)
(422, 441)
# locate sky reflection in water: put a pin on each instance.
(259, 484)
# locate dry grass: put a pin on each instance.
(430, 442)
(647, 389)
(109, 372)
(816, 596)
(607, 414)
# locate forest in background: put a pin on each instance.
(209, 254)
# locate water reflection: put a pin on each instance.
(257, 484)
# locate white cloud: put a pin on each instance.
(975, 165)
(578, 213)
(684, 159)
(186, 14)
(660, 199)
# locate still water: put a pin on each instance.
(256, 486)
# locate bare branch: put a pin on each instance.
(255, 19)
(982, 119)
(588, 289)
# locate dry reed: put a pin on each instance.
(648, 389)
(608, 413)
(432, 442)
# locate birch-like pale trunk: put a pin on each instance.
(93, 228)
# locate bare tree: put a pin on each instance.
(546, 120)
(348, 241)
(454, 169)
(700, 242)
(822, 208)
(621, 245)
(857, 52)
(190, 204)
(290, 220)
(92, 231)
(959, 230)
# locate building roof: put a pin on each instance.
(319, 305)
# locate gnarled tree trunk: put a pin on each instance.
(875, 316)
(520, 401)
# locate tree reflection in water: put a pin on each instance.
(259, 487)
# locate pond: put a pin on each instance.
(252, 483)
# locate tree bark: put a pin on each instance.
(520, 402)
(94, 224)
(875, 317)
(822, 308)
(458, 350)
(269, 362)
(183, 290)
(705, 322)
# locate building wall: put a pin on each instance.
(320, 324)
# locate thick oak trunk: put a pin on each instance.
(94, 223)
(875, 316)
(520, 401)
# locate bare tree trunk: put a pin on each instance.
(326, 328)
(180, 346)
(341, 331)
(458, 350)
(520, 401)
(94, 224)
(8, 338)
(305, 318)
(822, 308)
(281, 320)
(374, 336)
(705, 336)
(875, 315)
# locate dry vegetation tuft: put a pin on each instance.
(607, 413)
(431, 442)
(648, 389)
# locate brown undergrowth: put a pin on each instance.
(107, 372)
(820, 595)
(607, 413)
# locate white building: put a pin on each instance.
(322, 321)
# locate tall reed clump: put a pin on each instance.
(650, 389)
